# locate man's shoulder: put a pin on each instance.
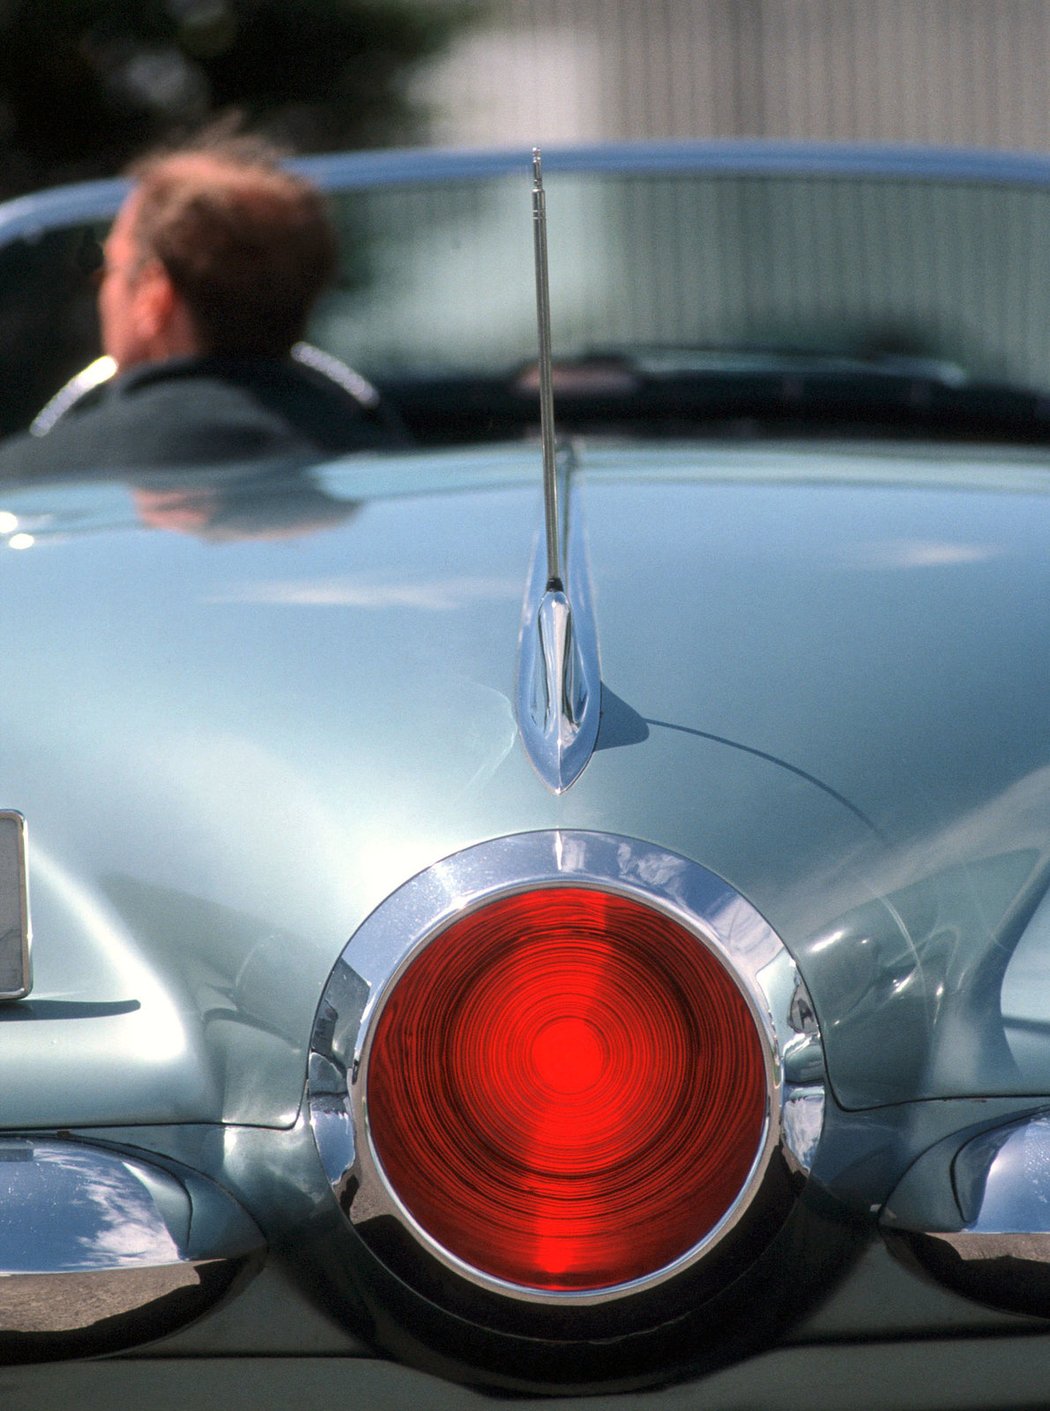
(198, 411)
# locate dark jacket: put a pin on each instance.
(200, 412)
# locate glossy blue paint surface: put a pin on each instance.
(825, 676)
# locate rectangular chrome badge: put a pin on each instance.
(15, 976)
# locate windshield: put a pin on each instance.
(948, 271)
(909, 279)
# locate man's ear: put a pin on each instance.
(164, 323)
(154, 301)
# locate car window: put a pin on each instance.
(664, 285)
(951, 270)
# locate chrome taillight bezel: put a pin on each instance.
(386, 943)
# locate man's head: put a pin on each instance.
(217, 250)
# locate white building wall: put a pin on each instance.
(961, 72)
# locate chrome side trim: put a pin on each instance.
(976, 1217)
(719, 917)
(71, 392)
(104, 368)
(342, 374)
(100, 1250)
(559, 675)
(16, 977)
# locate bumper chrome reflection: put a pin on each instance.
(976, 1217)
(100, 1250)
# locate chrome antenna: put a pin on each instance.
(559, 681)
(543, 318)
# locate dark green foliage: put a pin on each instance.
(87, 84)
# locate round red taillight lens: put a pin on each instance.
(567, 1090)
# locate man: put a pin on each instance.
(210, 272)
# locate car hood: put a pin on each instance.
(242, 708)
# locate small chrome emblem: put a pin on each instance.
(15, 976)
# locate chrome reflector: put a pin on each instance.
(15, 977)
(580, 876)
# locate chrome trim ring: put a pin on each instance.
(419, 911)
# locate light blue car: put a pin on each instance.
(517, 918)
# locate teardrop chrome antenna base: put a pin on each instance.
(559, 680)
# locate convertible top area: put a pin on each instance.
(722, 284)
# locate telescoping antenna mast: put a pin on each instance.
(559, 687)
(543, 319)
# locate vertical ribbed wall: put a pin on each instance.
(962, 72)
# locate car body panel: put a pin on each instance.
(242, 709)
(773, 774)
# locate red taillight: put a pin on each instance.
(567, 1090)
